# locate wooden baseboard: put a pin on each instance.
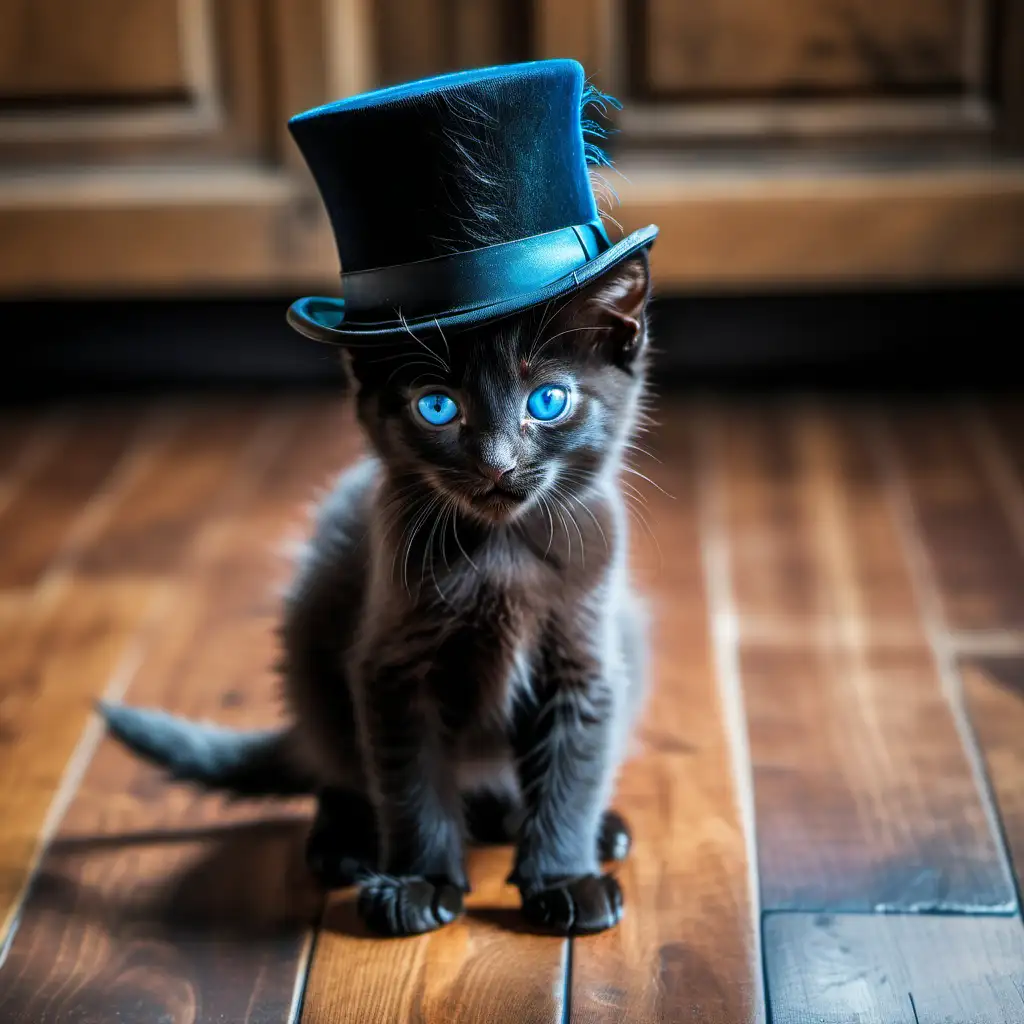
(721, 229)
(731, 230)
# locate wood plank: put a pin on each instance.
(994, 688)
(865, 800)
(1006, 422)
(17, 437)
(56, 660)
(882, 969)
(154, 903)
(685, 950)
(63, 649)
(814, 547)
(864, 796)
(480, 969)
(159, 506)
(975, 558)
(39, 518)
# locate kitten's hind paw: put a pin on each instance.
(576, 906)
(407, 904)
(614, 840)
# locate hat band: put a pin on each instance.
(467, 280)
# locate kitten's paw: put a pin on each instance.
(408, 904)
(576, 906)
(614, 839)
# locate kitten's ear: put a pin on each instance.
(617, 304)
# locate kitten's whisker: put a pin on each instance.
(561, 334)
(565, 528)
(643, 451)
(547, 320)
(415, 362)
(429, 550)
(455, 531)
(586, 508)
(551, 524)
(626, 468)
(437, 324)
(420, 520)
(414, 512)
(572, 519)
(419, 341)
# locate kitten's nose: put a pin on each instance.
(495, 472)
(494, 456)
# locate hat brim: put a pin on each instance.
(323, 318)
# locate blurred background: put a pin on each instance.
(839, 183)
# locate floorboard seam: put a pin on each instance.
(926, 594)
(715, 558)
(567, 983)
(302, 969)
(81, 757)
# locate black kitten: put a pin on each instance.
(463, 653)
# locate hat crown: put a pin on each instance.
(450, 164)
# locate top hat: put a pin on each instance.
(456, 199)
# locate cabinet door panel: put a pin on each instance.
(808, 47)
(54, 51)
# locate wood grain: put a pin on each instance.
(153, 896)
(881, 969)
(685, 950)
(123, 49)
(730, 48)
(975, 558)
(994, 689)
(865, 800)
(864, 797)
(17, 433)
(65, 648)
(814, 548)
(481, 969)
(36, 522)
(57, 659)
(732, 227)
(174, 486)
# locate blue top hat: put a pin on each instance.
(455, 200)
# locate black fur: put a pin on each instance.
(463, 659)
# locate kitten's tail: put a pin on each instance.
(243, 763)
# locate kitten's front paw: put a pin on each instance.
(576, 906)
(408, 904)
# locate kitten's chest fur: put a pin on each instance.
(478, 627)
(487, 628)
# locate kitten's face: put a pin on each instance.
(502, 418)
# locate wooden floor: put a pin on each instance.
(828, 791)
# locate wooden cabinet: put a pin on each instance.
(818, 142)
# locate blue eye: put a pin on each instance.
(548, 402)
(437, 409)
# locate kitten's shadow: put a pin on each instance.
(236, 880)
(238, 883)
